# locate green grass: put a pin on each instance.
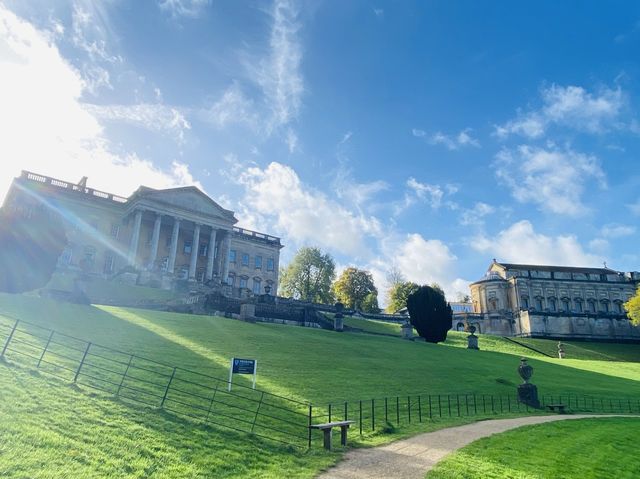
(302, 363)
(587, 350)
(581, 449)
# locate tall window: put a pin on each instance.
(203, 249)
(256, 285)
(539, 304)
(245, 259)
(231, 280)
(619, 307)
(243, 282)
(592, 306)
(187, 247)
(605, 306)
(232, 256)
(270, 264)
(258, 261)
(565, 305)
(115, 230)
(579, 308)
(525, 302)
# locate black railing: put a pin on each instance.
(155, 384)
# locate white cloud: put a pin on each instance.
(303, 214)
(431, 195)
(521, 244)
(279, 75)
(613, 230)
(152, 116)
(292, 140)
(475, 215)
(451, 142)
(45, 127)
(572, 107)
(184, 8)
(553, 179)
(232, 108)
(635, 207)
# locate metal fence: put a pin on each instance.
(155, 384)
(380, 413)
(270, 416)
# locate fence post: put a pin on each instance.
(373, 415)
(360, 422)
(466, 403)
(166, 391)
(409, 407)
(430, 411)
(329, 412)
(309, 424)
(45, 349)
(13, 330)
(213, 398)
(449, 404)
(386, 409)
(84, 356)
(439, 406)
(346, 410)
(419, 409)
(124, 375)
(458, 403)
(257, 411)
(398, 410)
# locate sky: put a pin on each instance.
(426, 136)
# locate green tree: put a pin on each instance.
(30, 248)
(429, 314)
(398, 294)
(370, 303)
(633, 308)
(438, 288)
(353, 286)
(309, 276)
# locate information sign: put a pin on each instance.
(243, 366)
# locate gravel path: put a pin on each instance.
(412, 458)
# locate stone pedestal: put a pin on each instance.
(528, 394)
(472, 341)
(248, 312)
(560, 350)
(407, 331)
(338, 321)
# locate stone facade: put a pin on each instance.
(553, 301)
(165, 235)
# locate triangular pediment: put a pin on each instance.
(188, 199)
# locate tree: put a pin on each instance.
(370, 303)
(633, 308)
(429, 314)
(398, 294)
(353, 286)
(309, 276)
(30, 247)
(438, 288)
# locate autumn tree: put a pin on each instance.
(309, 276)
(353, 286)
(429, 314)
(632, 307)
(370, 303)
(30, 247)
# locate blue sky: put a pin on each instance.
(433, 136)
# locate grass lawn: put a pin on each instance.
(581, 449)
(301, 363)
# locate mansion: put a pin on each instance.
(162, 235)
(552, 301)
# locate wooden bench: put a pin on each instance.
(559, 407)
(327, 428)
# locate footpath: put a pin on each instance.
(412, 458)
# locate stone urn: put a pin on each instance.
(472, 339)
(407, 330)
(560, 350)
(338, 318)
(525, 370)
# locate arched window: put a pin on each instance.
(592, 305)
(460, 327)
(538, 303)
(619, 309)
(579, 306)
(525, 302)
(604, 305)
(552, 304)
(566, 305)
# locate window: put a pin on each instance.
(231, 280)
(115, 230)
(243, 282)
(258, 262)
(579, 308)
(109, 263)
(187, 247)
(256, 285)
(65, 257)
(552, 304)
(592, 306)
(245, 259)
(270, 264)
(539, 304)
(605, 306)
(565, 305)
(204, 247)
(232, 256)
(619, 307)
(525, 302)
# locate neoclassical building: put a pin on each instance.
(553, 301)
(169, 234)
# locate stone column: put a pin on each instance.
(227, 254)
(154, 242)
(135, 236)
(210, 253)
(174, 245)
(276, 271)
(195, 249)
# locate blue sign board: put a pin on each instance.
(244, 366)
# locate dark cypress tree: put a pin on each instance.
(429, 313)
